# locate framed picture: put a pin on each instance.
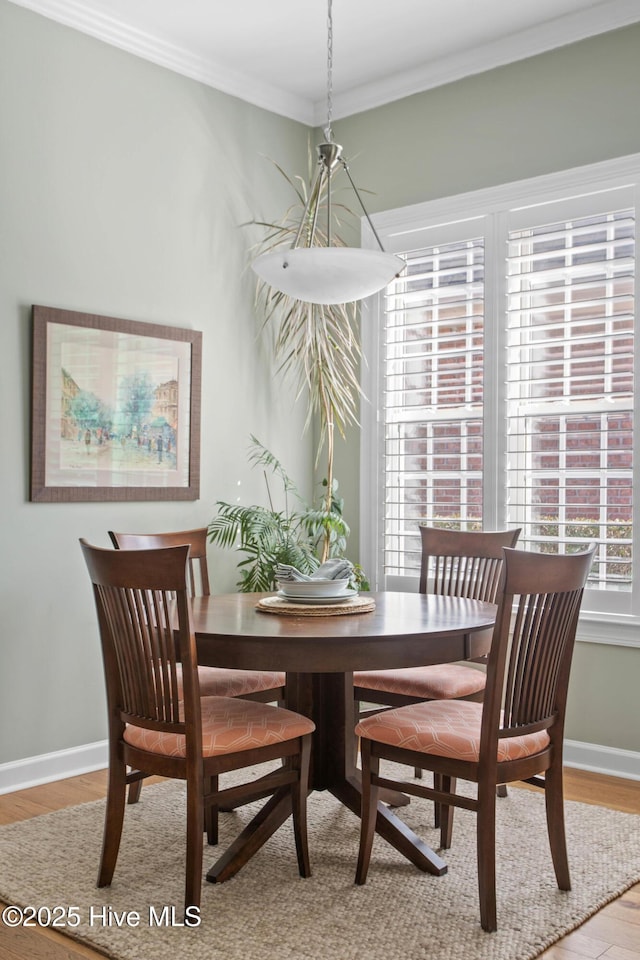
(116, 409)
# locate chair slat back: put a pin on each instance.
(530, 658)
(145, 629)
(198, 570)
(461, 563)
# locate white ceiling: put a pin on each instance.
(273, 52)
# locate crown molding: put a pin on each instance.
(564, 30)
(73, 13)
(606, 16)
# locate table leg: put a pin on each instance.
(265, 823)
(393, 830)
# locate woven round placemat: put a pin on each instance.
(280, 605)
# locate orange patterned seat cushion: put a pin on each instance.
(446, 728)
(223, 682)
(229, 725)
(443, 681)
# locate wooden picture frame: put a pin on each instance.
(115, 409)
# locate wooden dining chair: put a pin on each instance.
(456, 563)
(515, 734)
(197, 565)
(164, 727)
(265, 686)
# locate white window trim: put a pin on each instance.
(399, 229)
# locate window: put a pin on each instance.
(500, 377)
(570, 345)
(433, 374)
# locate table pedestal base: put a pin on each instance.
(278, 809)
(328, 699)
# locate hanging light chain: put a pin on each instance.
(316, 272)
(327, 129)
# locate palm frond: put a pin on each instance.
(260, 456)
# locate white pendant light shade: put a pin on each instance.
(328, 274)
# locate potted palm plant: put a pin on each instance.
(315, 343)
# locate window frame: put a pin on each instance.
(490, 211)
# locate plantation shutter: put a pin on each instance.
(570, 343)
(433, 382)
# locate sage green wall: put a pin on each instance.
(566, 108)
(569, 107)
(122, 188)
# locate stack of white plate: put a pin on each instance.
(315, 591)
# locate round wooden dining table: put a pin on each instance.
(319, 654)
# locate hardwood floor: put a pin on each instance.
(612, 934)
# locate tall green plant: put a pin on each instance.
(315, 343)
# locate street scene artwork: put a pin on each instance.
(117, 404)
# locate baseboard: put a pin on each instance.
(599, 759)
(20, 774)
(32, 771)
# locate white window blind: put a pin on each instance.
(433, 395)
(502, 384)
(570, 389)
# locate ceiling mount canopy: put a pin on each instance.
(312, 269)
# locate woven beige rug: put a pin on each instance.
(268, 913)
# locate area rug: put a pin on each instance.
(267, 911)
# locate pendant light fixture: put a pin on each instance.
(315, 271)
